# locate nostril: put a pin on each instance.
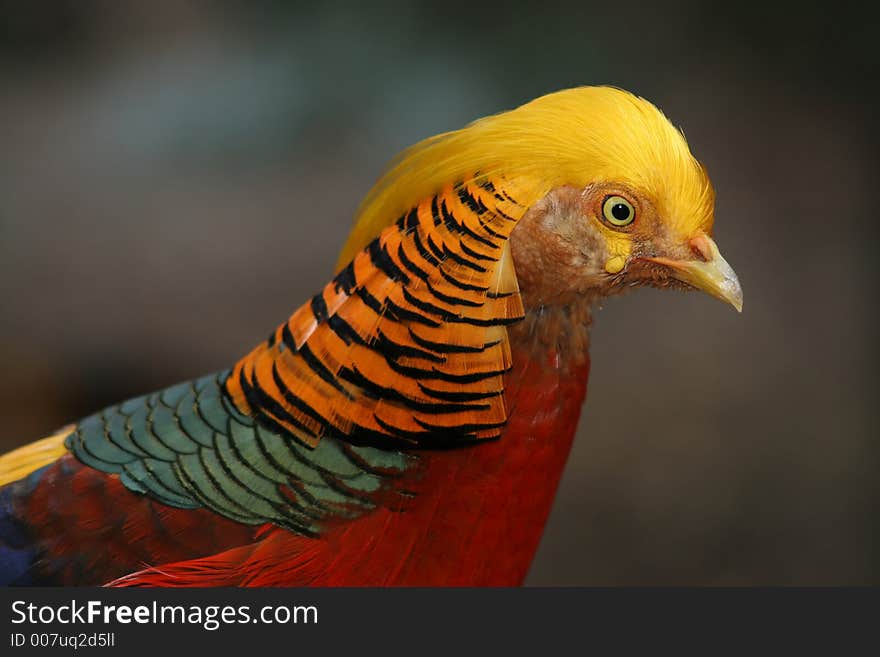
(702, 247)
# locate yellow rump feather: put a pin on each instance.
(572, 137)
(19, 463)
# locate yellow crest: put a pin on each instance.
(571, 137)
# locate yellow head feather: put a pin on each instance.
(572, 137)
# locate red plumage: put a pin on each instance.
(477, 519)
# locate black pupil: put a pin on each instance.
(620, 212)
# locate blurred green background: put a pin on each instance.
(176, 177)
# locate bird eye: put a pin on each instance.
(618, 211)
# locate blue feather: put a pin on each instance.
(18, 554)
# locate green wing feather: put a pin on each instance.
(188, 446)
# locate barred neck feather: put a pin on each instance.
(407, 345)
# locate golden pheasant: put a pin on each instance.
(410, 422)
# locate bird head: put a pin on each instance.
(610, 196)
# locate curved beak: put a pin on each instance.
(708, 271)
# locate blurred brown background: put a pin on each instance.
(176, 177)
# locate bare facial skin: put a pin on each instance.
(558, 254)
(563, 248)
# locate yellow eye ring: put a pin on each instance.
(618, 211)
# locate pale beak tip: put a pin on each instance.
(725, 287)
(733, 294)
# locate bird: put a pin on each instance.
(410, 422)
